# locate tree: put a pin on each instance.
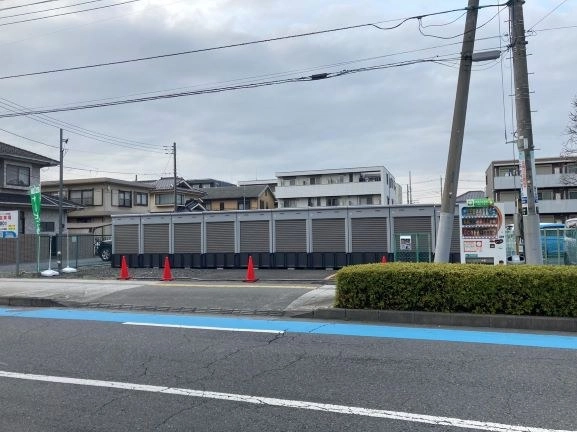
(569, 150)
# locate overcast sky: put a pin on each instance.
(398, 117)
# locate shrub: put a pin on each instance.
(473, 288)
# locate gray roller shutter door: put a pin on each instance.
(126, 239)
(369, 234)
(187, 238)
(156, 238)
(254, 236)
(220, 237)
(291, 235)
(412, 224)
(328, 235)
(456, 237)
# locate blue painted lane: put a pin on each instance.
(310, 327)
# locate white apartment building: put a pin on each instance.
(556, 182)
(337, 188)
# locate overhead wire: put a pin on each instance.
(547, 15)
(70, 13)
(314, 77)
(235, 45)
(27, 5)
(48, 10)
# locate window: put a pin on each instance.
(124, 198)
(221, 206)
(506, 171)
(47, 226)
(239, 205)
(17, 175)
(332, 202)
(288, 203)
(83, 197)
(168, 199)
(571, 168)
(370, 199)
(311, 202)
(141, 199)
(544, 195)
(572, 194)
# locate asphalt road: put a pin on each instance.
(93, 372)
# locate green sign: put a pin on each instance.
(480, 202)
(35, 199)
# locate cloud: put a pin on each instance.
(399, 117)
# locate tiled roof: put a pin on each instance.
(234, 192)
(10, 152)
(23, 200)
(470, 195)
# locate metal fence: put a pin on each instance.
(28, 249)
(413, 247)
(558, 245)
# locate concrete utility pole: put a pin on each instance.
(60, 210)
(174, 158)
(449, 197)
(532, 244)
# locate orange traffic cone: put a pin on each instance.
(250, 271)
(384, 260)
(124, 270)
(167, 274)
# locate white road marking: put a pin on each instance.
(285, 403)
(206, 328)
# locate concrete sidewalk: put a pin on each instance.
(295, 299)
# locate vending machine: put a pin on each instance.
(482, 229)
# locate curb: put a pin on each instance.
(444, 319)
(535, 323)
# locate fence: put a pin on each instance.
(30, 248)
(558, 245)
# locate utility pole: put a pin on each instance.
(60, 210)
(449, 197)
(530, 211)
(174, 159)
(410, 189)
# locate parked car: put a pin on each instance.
(103, 248)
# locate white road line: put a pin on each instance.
(285, 403)
(206, 328)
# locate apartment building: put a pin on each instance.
(337, 188)
(556, 182)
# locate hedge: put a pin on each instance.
(471, 288)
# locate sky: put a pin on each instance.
(398, 115)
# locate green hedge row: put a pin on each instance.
(473, 288)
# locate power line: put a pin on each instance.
(26, 5)
(48, 10)
(29, 139)
(220, 47)
(547, 15)
(69, 13)
(314, 77)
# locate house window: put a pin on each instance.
(141, 199)
(17, 175)
(124, 199)
(571, 168)
(82, 197)
(221, 206)
(168, 199)
(47, 226)
(572, 194)
(370, 199)
(288, 203)
(507, 171)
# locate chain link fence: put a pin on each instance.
(413, 247)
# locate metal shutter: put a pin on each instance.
(412, 224)
(187, 238)
(369, 234)
(291, 235)
(254, 236)
(126, 239)
(156, 238)
(456, 237)
(328, 235)
(220, 237)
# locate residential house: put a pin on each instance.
(19, 170)
(239, 198)
(555, 179)
(162, 195)
(207, 183)
(100, 198)
(337, 188)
